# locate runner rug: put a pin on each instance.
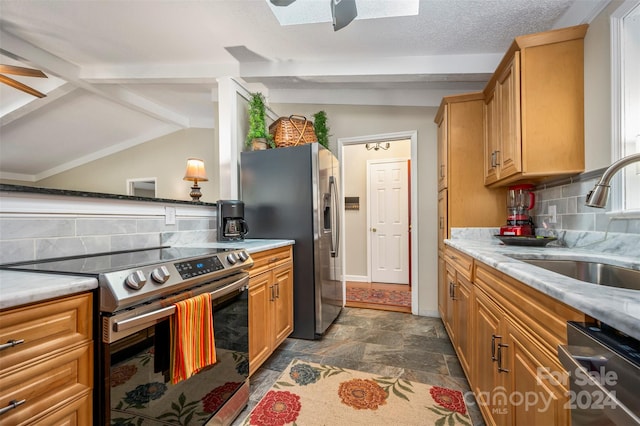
(381, 297)
(313, 394)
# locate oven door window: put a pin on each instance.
(141, 392)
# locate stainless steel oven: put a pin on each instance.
(138, 290)
(604, 373)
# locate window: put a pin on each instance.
(625, 49)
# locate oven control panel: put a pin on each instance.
(121, 289)
(193, 268)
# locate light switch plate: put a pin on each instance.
(553, 218)
(169, 215)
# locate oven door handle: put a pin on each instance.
(158, 314)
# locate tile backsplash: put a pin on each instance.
(34, 235)
(572, 214)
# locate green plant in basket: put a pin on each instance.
(320, 128)
(257, 123)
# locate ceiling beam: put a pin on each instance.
(158, 73)
(16, 47)
(402, 65)
(32, 106)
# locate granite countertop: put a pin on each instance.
(251, 245)
(617, 307)
(20, 287)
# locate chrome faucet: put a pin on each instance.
(598, 196)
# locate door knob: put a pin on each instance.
(373, 229)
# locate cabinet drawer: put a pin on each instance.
(270, 258)
(76, 413)
(463, 263)
(47, 386)
(47, 329)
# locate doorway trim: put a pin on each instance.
(412, 135)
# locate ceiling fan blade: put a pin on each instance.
(281, 2)
(343, 12)
(28, 72)
(13, 83)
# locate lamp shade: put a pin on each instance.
(195, 170)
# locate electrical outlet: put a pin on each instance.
(169, 215)
(553, 218)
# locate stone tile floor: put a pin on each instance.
(390, 343)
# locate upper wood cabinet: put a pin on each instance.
(463, 199)
(534, 109)
(443, 150)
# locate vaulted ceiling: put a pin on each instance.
(124, 72)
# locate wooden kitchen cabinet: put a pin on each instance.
(456, 310)
(52, 370)
(463, 199)
(516, 332)
(485, 378)
(443, 227)
(270, 303)
(443, 147)
(534, 109)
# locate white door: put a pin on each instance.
(388, 220)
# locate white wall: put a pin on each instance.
(164, 158)
(597, 90)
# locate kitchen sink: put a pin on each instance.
(592, 272)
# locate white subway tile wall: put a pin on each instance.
(572, 214)
(45, 236)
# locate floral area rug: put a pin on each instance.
(140, 396)
(313, 394)
(383, 297)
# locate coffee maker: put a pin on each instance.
(520, 199)
(231, 224)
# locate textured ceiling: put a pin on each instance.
(131, 68)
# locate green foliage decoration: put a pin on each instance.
(257, 124)
(321, 129)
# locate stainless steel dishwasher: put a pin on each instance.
(604, 373)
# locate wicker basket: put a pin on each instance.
(291, 131)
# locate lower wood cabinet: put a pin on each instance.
(455, 297)
(48, 377)
(516, 369)
(506, 335)
(270, 303)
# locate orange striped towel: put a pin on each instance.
(192, 342)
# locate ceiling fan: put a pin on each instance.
(27, 72)
(342, 11)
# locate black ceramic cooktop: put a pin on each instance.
(95, 264)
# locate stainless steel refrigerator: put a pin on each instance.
(292, 193)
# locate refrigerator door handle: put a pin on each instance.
(335, 225)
